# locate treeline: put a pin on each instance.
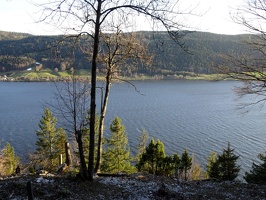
(201, 53)
(53, 155)
(12, 35)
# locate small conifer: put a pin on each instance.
(227, 164)
(9, 160)
(186, 163)
(117, 157)
(223, 167)
(151, 160)
(213, 166)
(257, 173)
(50, 141)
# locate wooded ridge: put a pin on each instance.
(204, 54)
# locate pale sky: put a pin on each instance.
(20, 16)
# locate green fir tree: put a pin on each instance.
(9, 160)
(223, 167)
(227, 164)
(186, 163)
(151, 160)
(213, 166)
(167, 166)
(117, 157)
(176, 165)
(257, 173)
(50, 141)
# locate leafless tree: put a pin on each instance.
(119, 50)
(249, 65)
(71, 100)
(91, 17)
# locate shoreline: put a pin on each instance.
(83, 78)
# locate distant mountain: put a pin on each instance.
(12, 35)
(19, 51)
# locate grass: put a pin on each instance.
(48, 74)
(209, 77)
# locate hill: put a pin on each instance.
(19, 51)
(12, 35)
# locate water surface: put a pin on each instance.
(198, 115)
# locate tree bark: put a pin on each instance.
(101, 125)
(93, 92)
(83, 167)
(68, 155)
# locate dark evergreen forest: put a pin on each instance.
(202, 52)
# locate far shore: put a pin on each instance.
(84, 75)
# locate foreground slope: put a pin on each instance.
(127, 187)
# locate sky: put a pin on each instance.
(21, 16)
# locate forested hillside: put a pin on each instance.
(202, 52)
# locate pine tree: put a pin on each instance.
(177, 164)
(151, 160)
(142, 145)
(227, 164)
(167, 166)
(186, 163)
(10, 160)
(117, 158)
(147, 160)
(159, 156)
(50, 141)
(258, 172)
(213, 166)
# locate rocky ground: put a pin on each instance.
(126, 187)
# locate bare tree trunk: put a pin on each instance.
(68, 155)
(101, 125)
(93, 92)
(83, 166)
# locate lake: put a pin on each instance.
(201, 116)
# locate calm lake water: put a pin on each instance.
(198, 115)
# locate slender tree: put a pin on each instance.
(186, 163)
(86, 137)
(142, 144)
(50, 140)
(118, 50)
(177, 165)
(71, 104)
(250, 69)
(92, 17)
(117, 157)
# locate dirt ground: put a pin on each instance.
(126, 187)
